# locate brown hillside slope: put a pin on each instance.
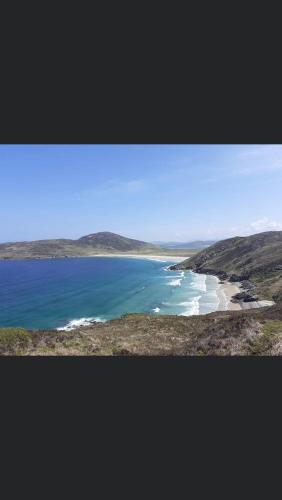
(104, 242)
(251, 332)
(255, 260)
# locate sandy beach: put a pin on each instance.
(225, 291)
(228, 290)
(225, 294)
(163, 258)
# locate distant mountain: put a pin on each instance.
(112, 241)
(103, 242)
(254, 260)
(188, 245)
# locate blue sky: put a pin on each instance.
(149, 192)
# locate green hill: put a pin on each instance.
(115, 242)
(103, 242)
(254, 260)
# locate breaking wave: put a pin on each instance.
(175, 276)
(155, 259)
(199, 282)
(193, 306)
(75, 323)
(175, 282)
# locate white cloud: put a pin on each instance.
(248, 161)
(266, 224)
(258, 168)
(253, 151)
(258, 159)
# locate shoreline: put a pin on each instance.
(228, 290)
(225, 293)
(163, 258)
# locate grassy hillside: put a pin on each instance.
(114, 242)
(93, 244)
(255, 260)
(251, 332)
(85, 246)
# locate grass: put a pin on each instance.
(251, 332)
(270, 333)
(44, 350)
(14, 340)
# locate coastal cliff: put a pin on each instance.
(254, 261)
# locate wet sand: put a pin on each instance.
(225, 293)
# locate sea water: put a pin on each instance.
(65, 293)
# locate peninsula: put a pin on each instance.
(96, 244)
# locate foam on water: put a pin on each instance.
(174, 276)
(199, 282)
(75, 323)
(155, 260)
(193, 306)
(71, 293)
(175, 282)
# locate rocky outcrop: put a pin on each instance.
(244, 297)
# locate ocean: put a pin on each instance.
(65, 293)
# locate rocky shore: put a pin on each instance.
(254, 261)
(241, 293)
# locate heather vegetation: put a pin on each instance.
(14, 340)
(255, 260)
(93, 244)
(252, 332)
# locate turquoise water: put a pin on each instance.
(63, 293)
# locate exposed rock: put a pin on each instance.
(244, 297)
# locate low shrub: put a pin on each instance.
(13, 340)
(269, 335)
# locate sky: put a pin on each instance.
(149, 192)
